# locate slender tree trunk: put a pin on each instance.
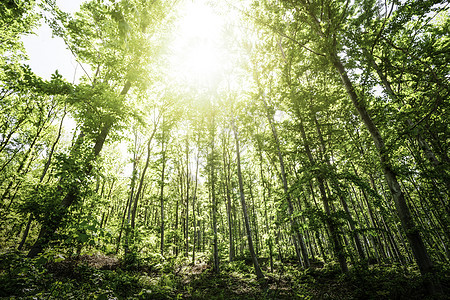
(294, 222)
(25, 233)
(351, 224)
(177, 206)
(266, 218)
(20, 170)
(131, 197)
(335, 239)
(161, 195)
(254, 219)
(227, 171)
(194, 198)
(428, 153)
(212, 177)
(125, 210)
(188, 181)
(258, 271)
(41, 179)
(141, 181)
(343, 201)
(9, 135)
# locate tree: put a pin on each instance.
(258, 271)
(100, 102)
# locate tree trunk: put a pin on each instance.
(412, 233)
(141, 181)
(161, 195)
(335, 239)
(212, 178)
(194, 197)
(266, 218)
(188, 181)
(424, 146)
(258, 271)
(294, 222)
(131, 197)
(52, 224)
(41, 179)
(227, 171)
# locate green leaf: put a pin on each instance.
(82, 237)
(103, 296)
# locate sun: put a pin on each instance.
(202, 60)
(196, 53)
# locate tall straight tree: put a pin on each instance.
(248, 230)
(298, 237)
(212, 182)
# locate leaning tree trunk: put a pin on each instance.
(330, 223)
(424, 146)
(141, 181)
(411, 231)
(351, 223)
(50, 226)
(265, 187)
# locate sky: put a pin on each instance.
(47, 54)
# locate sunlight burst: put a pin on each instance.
(201, 60)
(197, 51)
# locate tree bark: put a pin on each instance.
(212, 178)
(411, 231)
(161, 196)
(194, 197)
(141, 181)
(335, 239)
(258, 271)
(227, 175)
(298, 238)
(52, 224)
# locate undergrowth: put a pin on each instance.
(51, 276)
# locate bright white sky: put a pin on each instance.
(196, 52)
(47, 54)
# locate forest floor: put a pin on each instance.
(104, 277)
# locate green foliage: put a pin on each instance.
(85, 233)
(96, 105)
(385, 282)
(53, 277)
(78, 185)
(16, 19)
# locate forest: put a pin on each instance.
(250, 149)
